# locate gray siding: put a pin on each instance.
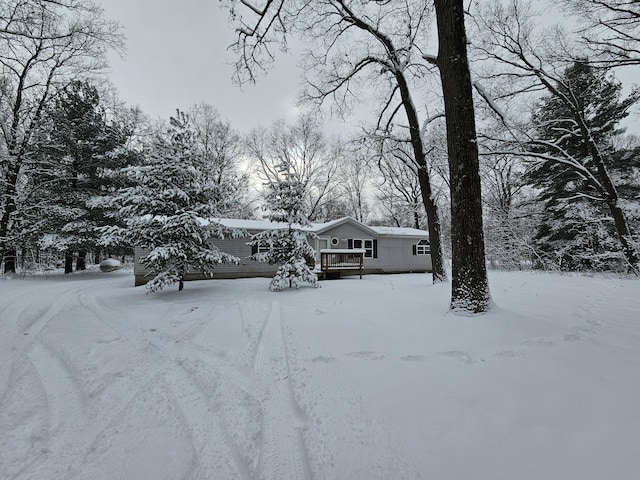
(239, 248)
(395, 255)
(344, 232)
(235, 246)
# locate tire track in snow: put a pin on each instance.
(138, 439)
(25, 335)
(259, 352)
(25, 317)
(155, 360)
(178, 345)
(24, 422)
(224, 381)
(283, 455)
(66, 406)
(215, 452)
(235, 422)
(33, 328)
(12, 308)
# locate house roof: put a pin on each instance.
(325, 227)
(320, 228)
(400, 232)
(250, 224)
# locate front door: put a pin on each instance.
(321, 244)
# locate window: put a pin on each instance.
(422, 248)
(260, 248)
(370, 246)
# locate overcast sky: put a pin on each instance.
(177, 56)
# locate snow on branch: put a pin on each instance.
(490, 101)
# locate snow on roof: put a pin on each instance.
(343, 250)
(267, 224)
(250, 224)
(321, 227)
(400, 232)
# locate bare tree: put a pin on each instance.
(356, 47)
(310, 156)
(533, 62)
(610, 29)
(43, 45)
(16, 19)
(354, 178)
(511, 215)
(222, 150)
(399, 195)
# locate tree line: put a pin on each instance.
(502, 137)
(527, 103)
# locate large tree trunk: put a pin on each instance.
(81, 262)
(610, 194)
(435, 228)
(430, 206)
(68, 261)
(10, 260)
(470, 286)
(9, 201)
(624, 235)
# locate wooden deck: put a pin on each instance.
(335, 261)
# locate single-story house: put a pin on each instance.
(385, 249)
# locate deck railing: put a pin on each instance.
(334, 260)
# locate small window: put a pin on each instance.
(260, 248)
(422, 248)
(368, 245)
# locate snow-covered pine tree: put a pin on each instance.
(288, 246)
(170, 211)
(581, 176)
(79, 153)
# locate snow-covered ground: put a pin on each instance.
(360, 379)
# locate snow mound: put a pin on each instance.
(110, 265)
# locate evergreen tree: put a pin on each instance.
(288, 246)
(578, 184)
(170, 211)
(80, 154)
